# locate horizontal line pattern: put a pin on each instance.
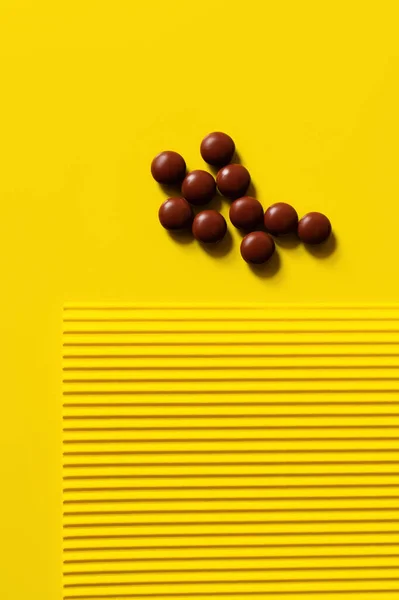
(232, 451)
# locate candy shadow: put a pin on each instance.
(182, 237)
(235, 160)
(268, 269)
(244, 232)
(171, 191)
(214, 204)
(213, 170)
(287, 241)
(221, 248)
(251, 191)
(323, 250)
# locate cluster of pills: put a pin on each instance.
(246, 213)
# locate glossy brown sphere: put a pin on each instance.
(175, 214)
(233, 181)
(314, 228)
(217, 149)
(257, 247)
(209, 227)
(246, 213)
(281, 219)
(198, 187)
(168, 167)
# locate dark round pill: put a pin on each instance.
(168, 167)
(198, 187)
(209, 226)
(233, 181)
(314, 228)
(257, 247)
(246, 213)
(175, 214)
(217, 149)
(281, 219)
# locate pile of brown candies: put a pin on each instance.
(246, 213)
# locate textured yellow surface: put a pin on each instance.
(90, 92)
(230, 452)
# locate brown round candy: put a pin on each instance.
(257, 247)
(209, 227)
(175, 214)
(281, 218)
(233, 181)
(246, 213)
(217, 149)
(168, 167)
(314, 228)
(198, 187)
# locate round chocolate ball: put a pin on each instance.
(246, 213)
(281, 219)
(257, 247)
(217, 149)
(168, 167)
(175, 214)
(233, 181)
(209, 227)
(314, 228)
(198, 187)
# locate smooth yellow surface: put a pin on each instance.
(90, 92)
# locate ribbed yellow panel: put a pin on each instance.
(232, 451)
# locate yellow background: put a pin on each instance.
(91, 91)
